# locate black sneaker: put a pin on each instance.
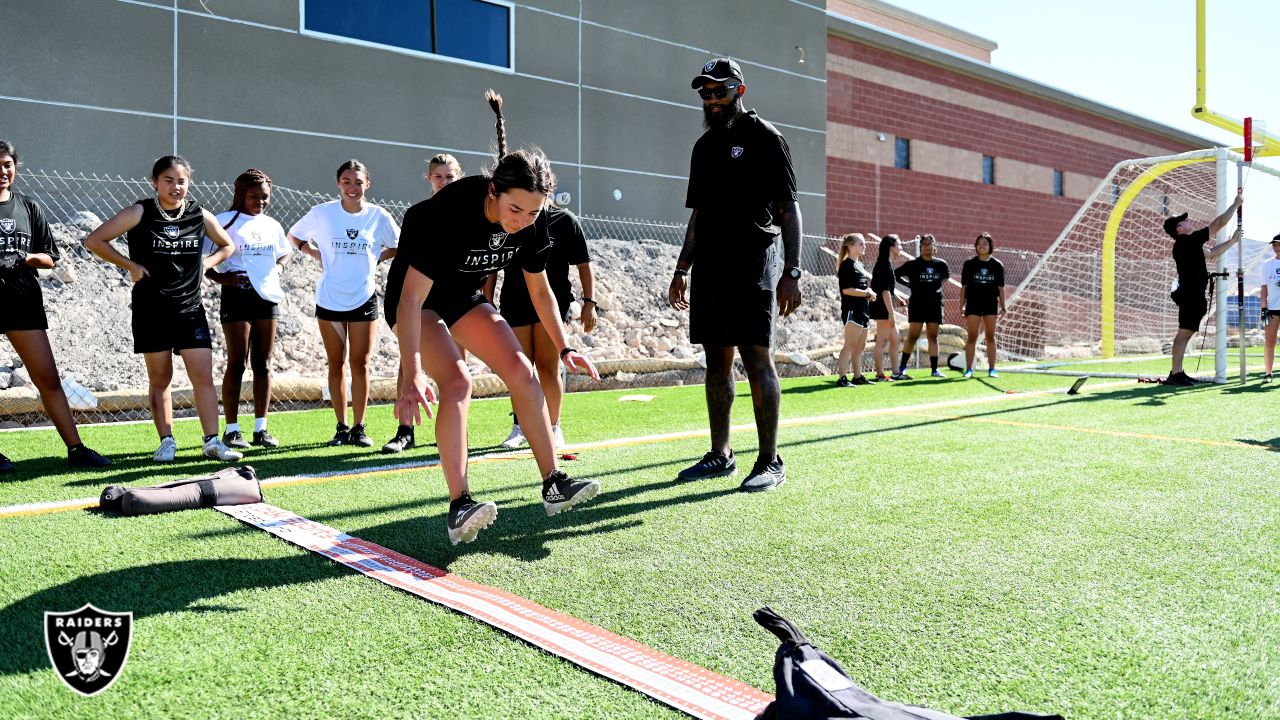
(340, 437)
(765, 476)
(843, 382)
(234, 439)
(561, 492)
(900, 375)
(1179, 378)
(82, 456)
(262, 438)
(712, 465)
(401, 442)
(859, 380)
(6, 465)
(357, 436)
(468, 517)
(1266, 378)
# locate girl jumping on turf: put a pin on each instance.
(925, 276)
(166, 259)
(251, 296)
(855, 291)
(27, 245)
(568, 247)
(1270, 291)
(474, 227)
(349, 236)
(880, 309)
(982, 297)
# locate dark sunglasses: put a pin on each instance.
(717, 93)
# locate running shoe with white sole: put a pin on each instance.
(992, 373)
(358, 436)
(515, 439)
(340, 434)
(561, 492)
(967, 374)
(262, 438)
(168, 449)
(468, 517)
(234, 439)
(765, 476)
(937, 373)
(84, 456)
(401, 442)
(214, 449)
(557, 437)
(712, 465)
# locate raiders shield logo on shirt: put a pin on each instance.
(352, 233)
(497, 240)
(735, 152)
(7, 225)
(88, 647)
(171, 231)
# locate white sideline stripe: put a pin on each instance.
(44, 507)
(680, 684)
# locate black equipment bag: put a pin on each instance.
(812, 686)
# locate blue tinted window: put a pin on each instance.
(902, 153)
(1057, 183)
(988, 170)
(399, 23)
(473, 30)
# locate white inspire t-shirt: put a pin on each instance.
(349, 248)
(1271, 278)
(260, 242)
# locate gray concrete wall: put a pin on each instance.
(601, 85)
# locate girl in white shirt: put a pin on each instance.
(1271, 285)
(349, 237)
(251, 296)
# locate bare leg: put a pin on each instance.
(846, 350)
(719, 390)
(261, 345)
(1180, 349)
(547, 362)
(766, 397)
(989, 329)
(360, 335)
(882, 339)
(971, 343)
(334, 335)
(159, 375)
(913, 336)
(237, 335)
(443, 362)
(33, 347)
(524, 336)
(1269, 351)
(199, 364)
(931, 331)
(859, 346)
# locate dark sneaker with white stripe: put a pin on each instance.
(1180, 378)
(262, 438)
(6, 465)
(340, 435)
(234, 439)
(561, 492)
(358, 436)
(401, 442)
(468, 517)
(765, 476)
(712, 465)
(84, 456)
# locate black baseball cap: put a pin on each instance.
(718, 70)
(1171, 224)
(1275, 240)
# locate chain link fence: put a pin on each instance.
(639, 339)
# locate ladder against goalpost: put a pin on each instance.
(1102, 289)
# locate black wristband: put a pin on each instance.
(566, 351)
(586, 299)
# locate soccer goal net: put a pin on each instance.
(1102, 290)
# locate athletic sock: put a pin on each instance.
(233, 427)
(162, 437)
(73, 448)
(933, 362)
(259, 424)
(404, 430)
(207, 438)
(902, 364)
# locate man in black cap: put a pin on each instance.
(1189, 293)
(742, 192)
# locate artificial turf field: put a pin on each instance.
(1110, 555)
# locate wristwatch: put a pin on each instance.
(793, 273)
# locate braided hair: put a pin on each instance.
(525, 169)
(244, 181)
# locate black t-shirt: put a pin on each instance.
(1188, 256)
(738, 177)
(852, 275)
(568, 247)
(23, 231)
(982, 280)
(925, 278)
(172, 251)
(882, 281)
(447, 238)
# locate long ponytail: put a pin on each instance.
(525, 169)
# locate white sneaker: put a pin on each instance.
(167, 451)
(215, 449)
(515, 439)
(557, 437)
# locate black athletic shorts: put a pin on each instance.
(1191, 311)
(245, 305)
(451, 306)
(926, 313)
(368, 312)
(519, 314)
(856, 318)
(161, 332)
(24, 311)
(981, 307)
(877, 311)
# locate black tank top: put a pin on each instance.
(172, 253)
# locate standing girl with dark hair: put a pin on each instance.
(166, 259)
(349, 237)
(925, 276)
(26, 245)
(470, 229)
(251, 296)
(982, 296)
(855, 291)
(886, 297)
